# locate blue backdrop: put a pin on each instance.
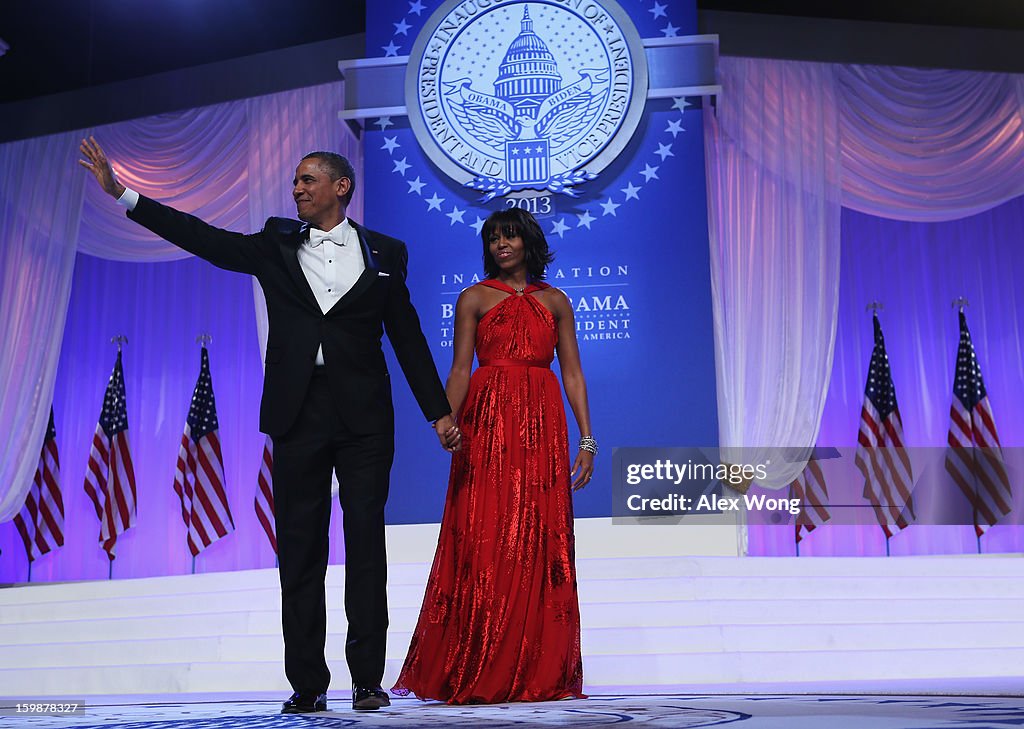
(631, 254)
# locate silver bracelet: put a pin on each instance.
(589, 444)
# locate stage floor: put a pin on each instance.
(678, 711)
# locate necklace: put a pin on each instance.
(519, 289)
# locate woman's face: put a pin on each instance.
(509, 252)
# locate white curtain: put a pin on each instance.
(231, 164)
(773, 219)
(928, 145)
(793, 143)
(40, 206)
(193, 160)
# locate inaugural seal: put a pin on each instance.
(507, 95)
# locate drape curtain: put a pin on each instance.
(194, 160)
(40, 207)
(231, 164)
(928, 145)
(793, 143)
(773, 220)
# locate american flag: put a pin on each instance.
(881, 455)
(109, 476)
(974, 458)
(41, 521)
(199, 475)
(264, 502)
(810, 488)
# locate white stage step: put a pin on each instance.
(650, 622)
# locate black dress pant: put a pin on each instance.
(303, 459)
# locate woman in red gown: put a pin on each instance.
(500, 619)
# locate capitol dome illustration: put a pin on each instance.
(528, 73)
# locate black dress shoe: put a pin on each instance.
(304, 704)
(369, 699)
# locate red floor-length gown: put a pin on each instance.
(500, 619)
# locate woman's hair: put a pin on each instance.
(513, 222)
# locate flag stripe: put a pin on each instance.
(199, 474)
(264, 500)
(812, 491)
(110, 476)
(881, 456)
(974, 457)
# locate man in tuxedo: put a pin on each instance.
(332, 288)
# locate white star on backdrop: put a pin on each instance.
(649, 173)
(455, 215)
(416, 7)
(631, 191)
(609, 207)
(670, 31)
(664, 150)
(401, 166)
(384, 122)
(416, 185)
(674, 128)
(402, 27)
(434, 202)
(585, 219)
(559, 228)
(390, 49)
(477, 224)
(390, 143)
(680, 102)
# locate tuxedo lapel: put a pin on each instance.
(369, 275)
(289, 252)
(369, 255)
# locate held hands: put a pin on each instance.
(582, 469)
(96, 162)
(448, 433)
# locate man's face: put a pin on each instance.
(318, 198)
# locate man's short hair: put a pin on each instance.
(338, 167)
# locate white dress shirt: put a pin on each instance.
(331, 261)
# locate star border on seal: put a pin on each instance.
(561, 223)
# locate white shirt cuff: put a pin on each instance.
(129, 198)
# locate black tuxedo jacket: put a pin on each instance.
(350, 332)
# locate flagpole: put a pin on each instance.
(202, 340)
(974, 511)
(888, 485)
(120, 340)
(959, 303)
